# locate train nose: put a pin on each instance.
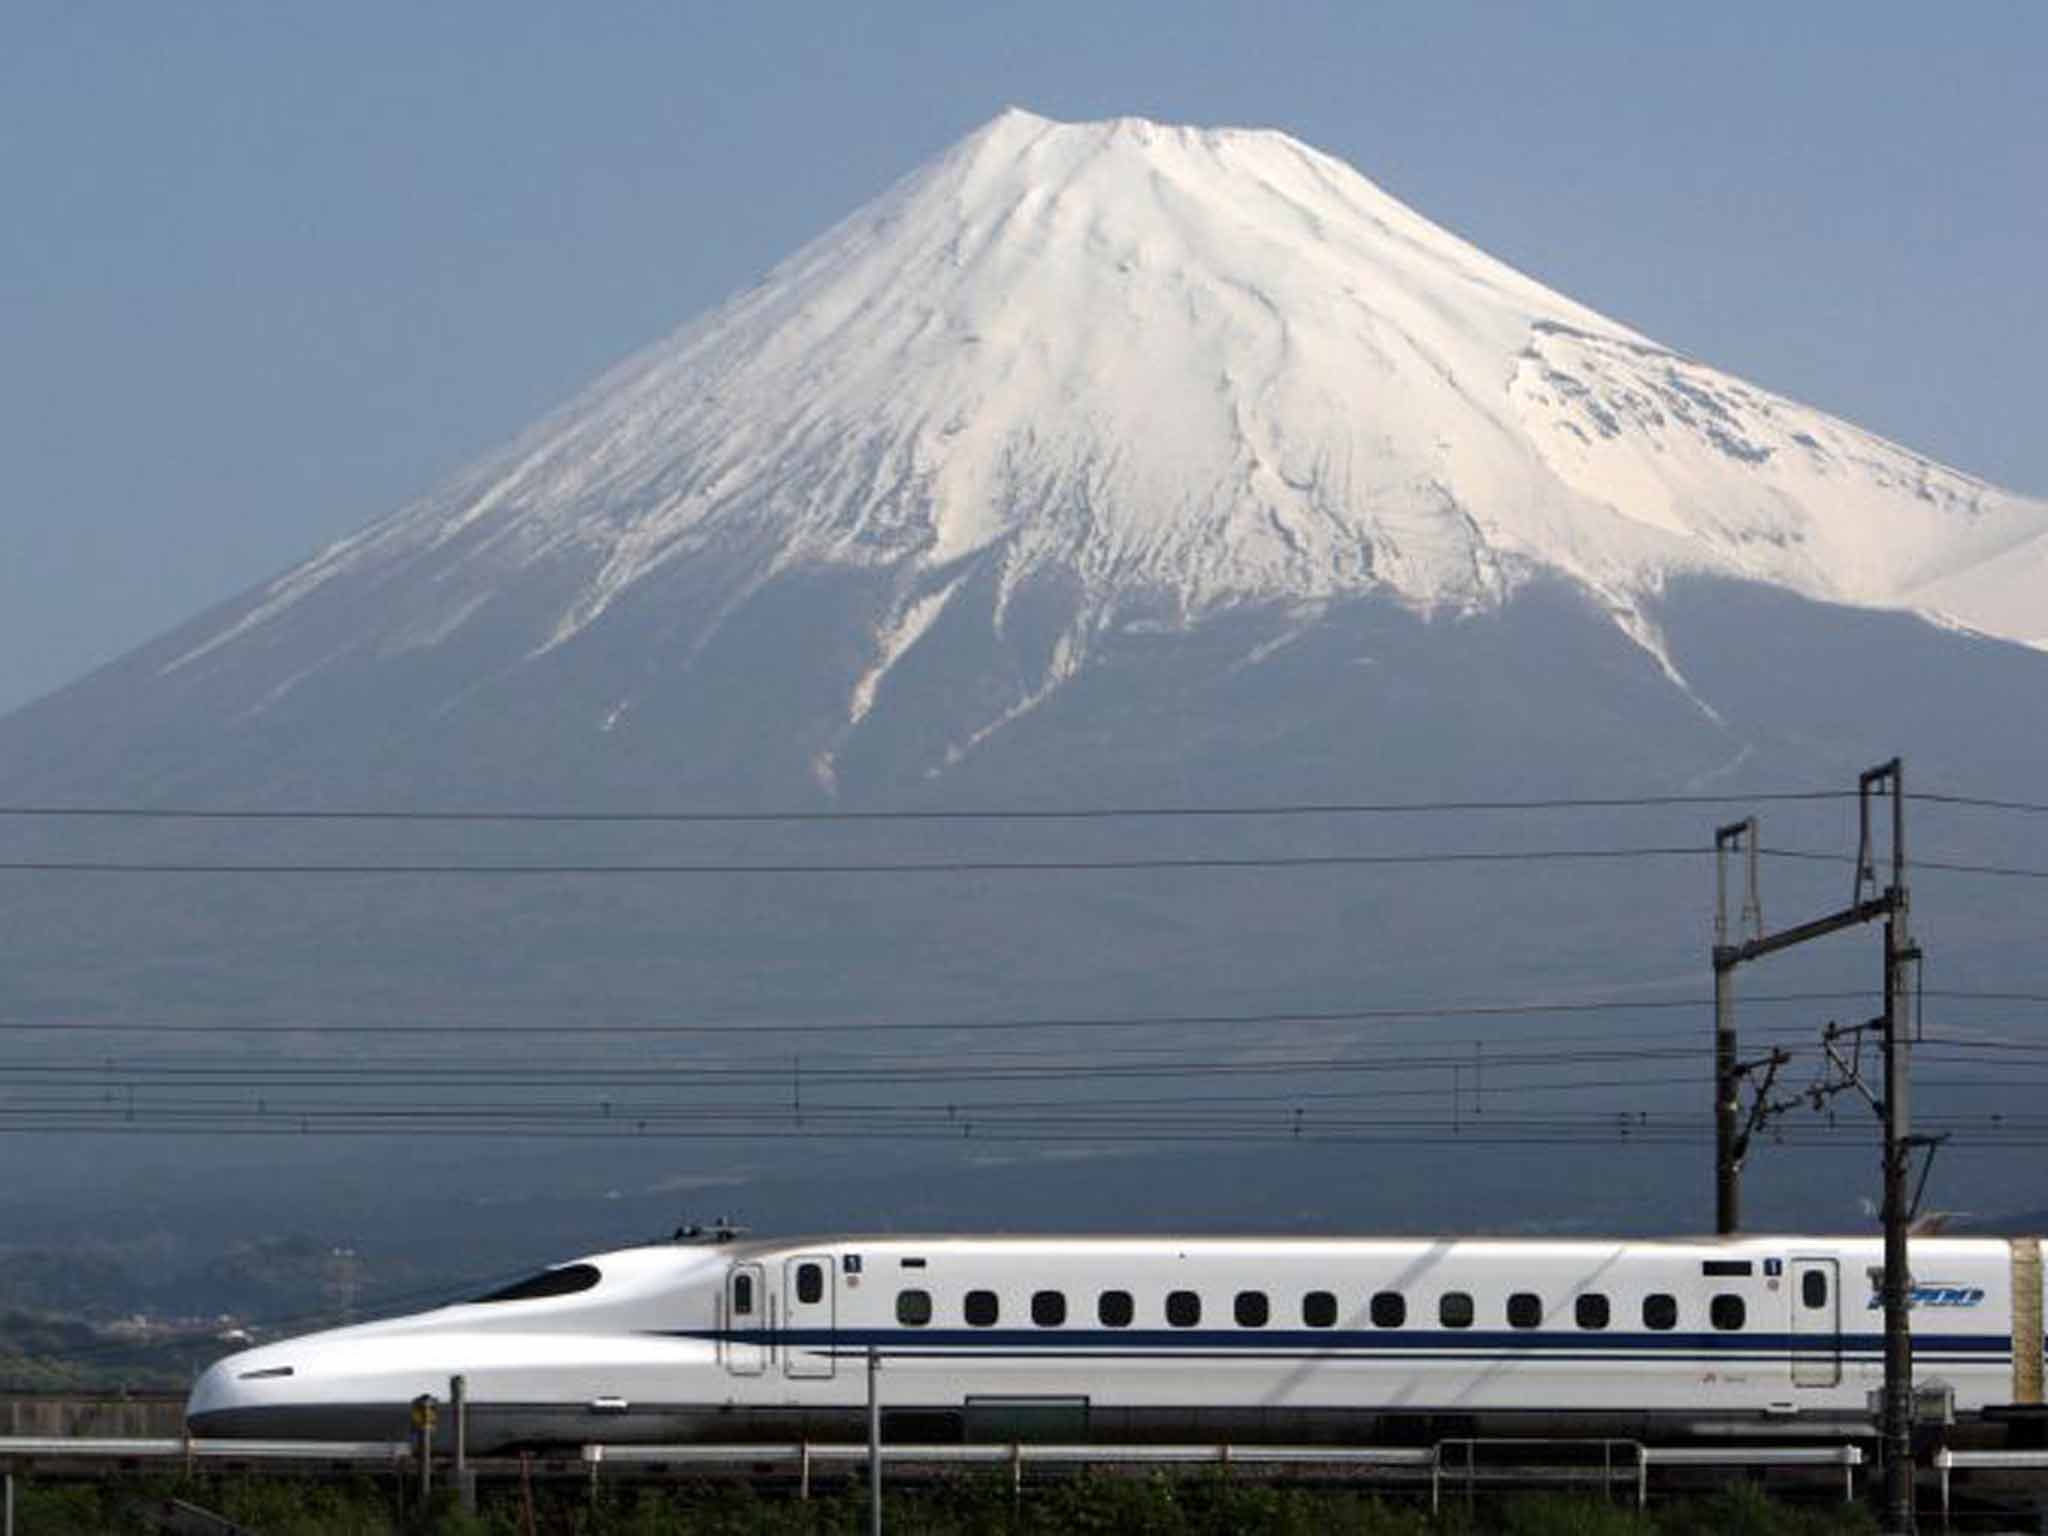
(229, 1400)
(215, 1405)
(209, 1395)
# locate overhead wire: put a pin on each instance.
(872, 867)
(110, 812)
(1010, 1025)
(1022, 814)
(1598, 1128)
(1920, 865)
(126, 1094)
(91, 1086)
(668, 1077)
(1516, 1086)
(702, 1076)
(1977, 802)
(1435, 858)
(951, 866)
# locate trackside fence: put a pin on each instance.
(1453, 1466)
(1947, 1463)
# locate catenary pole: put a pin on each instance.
(1727, 1075)
(1899, 955)
(1867, 903)
(874, 1442)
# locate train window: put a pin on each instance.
(1454, 1309)
(981, 1309)
(1251, 1310)
(1660, 1312)
(1726, 1312)
(1389, 1309)
(1525, 1310)
(1114, 1309)
(1183, 1308)
(1048, 1308)
(1319, 1310)
(1813, 1289)
(913, 1308)
(565, 1280)
(742, 1295)
(810, 1284)
(1590, 1310)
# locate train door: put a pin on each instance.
(1816, 1323)
(746, 1321)
(808, 1286)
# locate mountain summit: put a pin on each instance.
(1068, 382)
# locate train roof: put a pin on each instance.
(1248, 1242)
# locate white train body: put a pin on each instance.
(1133, 1338)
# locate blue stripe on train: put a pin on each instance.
(1268, 1356)
(1389, 1343)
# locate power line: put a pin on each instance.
(1272, 1099)
(894, 867)
(1952, 867)
(1082, 813)
(155, 1104)
(97, 1085)
(777, 1075)
(784, 1065)
(1099, 1130)
(64, 1090)
(1591, 1128)
(1095, 813)
(1078, 1022)
(1977, 802)
(977, 866)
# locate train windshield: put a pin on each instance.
(566, 1280)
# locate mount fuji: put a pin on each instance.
(1091, 464)
(1064, 394)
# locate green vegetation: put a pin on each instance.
(40, 1352)
(1085, 1506)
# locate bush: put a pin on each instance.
(1094, 1504)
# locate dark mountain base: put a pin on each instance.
(1363, 703)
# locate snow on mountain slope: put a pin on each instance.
(1172, 370)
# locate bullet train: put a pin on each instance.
(1296, 1340)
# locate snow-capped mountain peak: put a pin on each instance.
(1170, 371)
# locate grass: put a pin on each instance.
(1083, 1506)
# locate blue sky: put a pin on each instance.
(267, 271)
